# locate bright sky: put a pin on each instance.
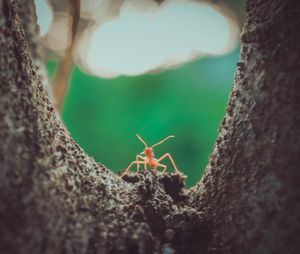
(150, 37)
(44, 14)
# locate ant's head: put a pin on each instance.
(148, 151)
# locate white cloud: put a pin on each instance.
(148, 37)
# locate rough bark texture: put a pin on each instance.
(31, 29)
(250, 190)
(56, 199)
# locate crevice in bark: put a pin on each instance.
(159, 200)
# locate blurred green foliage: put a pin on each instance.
(104, 115)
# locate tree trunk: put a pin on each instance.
(56, 199)
(250, 188)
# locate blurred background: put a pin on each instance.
(153, 68)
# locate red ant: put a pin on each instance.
(149, 159)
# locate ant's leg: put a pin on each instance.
(141, 157)
(164, 166)
(138, 166)
(125, 172)
(140, 162)
(155, 167)
(171, 159)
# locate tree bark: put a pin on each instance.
(56, 199)
(250, 190)
(28, 17)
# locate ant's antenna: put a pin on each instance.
(163, 141)
(141, 139)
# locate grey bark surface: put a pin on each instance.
(56, 199)
(250, 190)
(28, 17)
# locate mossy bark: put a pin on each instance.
(56, 199)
